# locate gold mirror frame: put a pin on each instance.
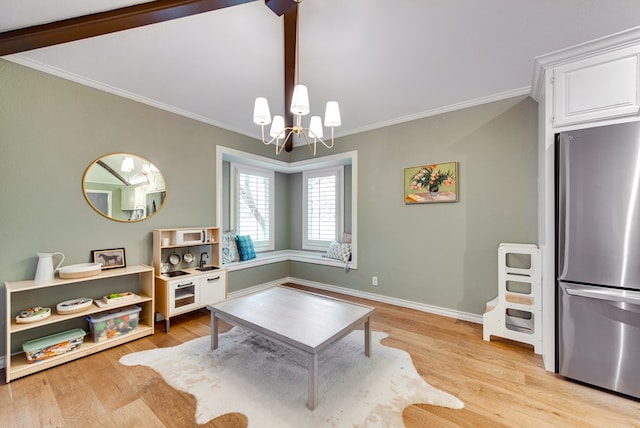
(124, 187)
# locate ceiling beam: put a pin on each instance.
(113, 172)
(279, 7)
(111, 21)
(290, 40)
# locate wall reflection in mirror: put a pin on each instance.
(124, 187)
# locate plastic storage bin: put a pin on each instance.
(113, 323)
(53, 345)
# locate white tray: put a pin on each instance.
(101, 304)
(35, 318)
(74, 305)
(80, 270)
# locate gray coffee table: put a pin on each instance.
(300, 320)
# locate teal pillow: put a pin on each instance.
(245, 247)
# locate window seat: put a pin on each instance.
(268, 257)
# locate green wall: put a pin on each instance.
(51, 129)
(442, 254)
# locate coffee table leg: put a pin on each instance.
(214, 331)
(367, 338)
(312, 400)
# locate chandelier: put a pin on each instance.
(299, 107)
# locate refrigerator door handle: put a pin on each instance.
(561, 202)
(631, 297)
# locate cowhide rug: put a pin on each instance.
(268, 382)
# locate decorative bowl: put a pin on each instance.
(80, 270)
(34, 314)
(74, 305)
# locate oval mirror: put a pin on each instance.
(124, 187)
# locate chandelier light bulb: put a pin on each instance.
(127, 164)
(300, 100)
(332, 115)
(277, 127)
(315, 127)
(261, 113)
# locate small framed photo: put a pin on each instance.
(110, 259)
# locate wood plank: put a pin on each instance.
(502, 383)
(34, 403)
(75, 396)
(134, 414)
(109, 386)
(7, 414)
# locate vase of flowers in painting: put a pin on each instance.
(431, 178)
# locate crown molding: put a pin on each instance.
(622, 39)
(524, 91)
(37, 65)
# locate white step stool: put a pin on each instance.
(516, 313)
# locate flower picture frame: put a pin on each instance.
(431, 183)
(110, 259)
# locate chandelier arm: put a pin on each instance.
(306, 139)
(278, 151)
(265, 143)
(277, 137)
(325, 144)
(315, 137)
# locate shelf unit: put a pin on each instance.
(138, 279)
(162, 250)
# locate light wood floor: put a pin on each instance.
(502, 383)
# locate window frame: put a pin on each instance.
(235, 170)
(222, 190)
(338, 172)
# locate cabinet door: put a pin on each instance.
(213, 288)
(601, 87)
(183, 296)
(132, 198)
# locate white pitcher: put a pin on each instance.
(45, 270)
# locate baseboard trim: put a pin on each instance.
(450, 313)
(255, 288)
(465, 316)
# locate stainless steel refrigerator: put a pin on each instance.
(598, 256)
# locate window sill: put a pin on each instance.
(270, 257)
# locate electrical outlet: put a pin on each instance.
(374, 280)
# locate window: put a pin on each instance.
(288, 231)
(322, 207)
(252, 192)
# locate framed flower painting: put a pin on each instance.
(427, 184)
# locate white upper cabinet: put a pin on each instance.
(133, 198)
(596, 88)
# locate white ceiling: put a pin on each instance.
(385, 61)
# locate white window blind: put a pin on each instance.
(323, 207)
(253, 202)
